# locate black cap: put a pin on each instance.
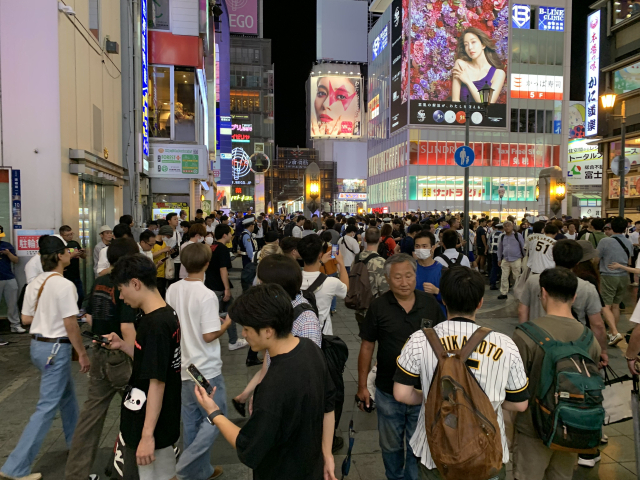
(51, 244)
(271, 237)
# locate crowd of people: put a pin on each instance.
(159, 306)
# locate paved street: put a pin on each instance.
(19, 382)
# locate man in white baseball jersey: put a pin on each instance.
(541, 249)
(496, 363)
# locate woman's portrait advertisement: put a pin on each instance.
(336, 106)
(458, 46)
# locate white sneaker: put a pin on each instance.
(634, 284)
(18, 329)
(604, 439)
(241, 343)
(615, 339)
(31, 476)
(588, 462)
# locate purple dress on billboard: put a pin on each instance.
(464, 90)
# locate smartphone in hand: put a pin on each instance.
(197, 377)
(96, 337)
(334, 251)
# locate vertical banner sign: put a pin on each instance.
(593, 73)
(16, 199)
(145, 80)
(398, 109)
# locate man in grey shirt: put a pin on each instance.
(614, 283)
(567, 254)
(106, 235)
(510, 254)
(335, 236)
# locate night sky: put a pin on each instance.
(293, 51)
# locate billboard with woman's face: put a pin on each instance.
(456, 49)
(336, 108)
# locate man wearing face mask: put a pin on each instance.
(429, 271)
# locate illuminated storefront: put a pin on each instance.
(412, 167)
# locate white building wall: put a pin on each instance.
(185, 18)
(341, 27)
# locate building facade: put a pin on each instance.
(616, 49)
(416, 117)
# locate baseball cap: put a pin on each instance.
(105, 228)
(51, 244)
(166, 230)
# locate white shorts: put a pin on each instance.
(164, 467)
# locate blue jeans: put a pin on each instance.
(493, 278)
(57, 392)
(198, 433)
(335, 299)
(396, 425)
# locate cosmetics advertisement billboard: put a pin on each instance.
(399, 63)
(457, 48)
(336, 106)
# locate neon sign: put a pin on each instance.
(593, 73)
(145, 80)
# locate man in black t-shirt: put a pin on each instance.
(290, 432)
(217, 279)
(481, 244)
(72, 272)
(150, 413)
(110, 369)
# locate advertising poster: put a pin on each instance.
(185, 162)
(243, 16)
(399, 63)
(455, 49)
(27, 241)
(626, 79)
(223, 197)
(585, 164)
(336, 106)
(576, 120)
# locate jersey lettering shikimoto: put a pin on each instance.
(540, 249)
(496, 364)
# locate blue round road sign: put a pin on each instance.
(464, 156)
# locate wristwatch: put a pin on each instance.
(213, 415)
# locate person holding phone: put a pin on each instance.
(110, 369)
(200, 328)
(161, 254)
(72, 272)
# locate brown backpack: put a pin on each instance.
(359, 295)
(461, 424)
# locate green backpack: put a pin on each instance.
(567, 408)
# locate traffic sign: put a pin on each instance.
(615, 165)
(464, 156)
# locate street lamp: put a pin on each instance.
(485, 97)
(608, 101)
(537, 191)
(561, 190)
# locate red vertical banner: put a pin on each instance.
(413, 153)
(495, 154)
(556, 155)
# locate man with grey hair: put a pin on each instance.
(390, 320)
(510, 255)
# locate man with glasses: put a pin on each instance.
(147, 241)
(72, 272)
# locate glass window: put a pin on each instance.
(185, 104)
(158, 14)
(514, 119)
(540, 121)
(515, 45)
(531, 124)
(94, 18)
(627, 78)
(623, 9)
(159, 101)
(533, 47)
(523, 121)
(549, 122)
(551, 49)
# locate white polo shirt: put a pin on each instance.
(59, 300)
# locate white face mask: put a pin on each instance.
(422, 253)
(171, 242)
(208, 240)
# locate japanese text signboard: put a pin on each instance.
(27, 241)
(585, 164)
(593, 73)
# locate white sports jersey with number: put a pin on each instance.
(496, 364)
(540, 253)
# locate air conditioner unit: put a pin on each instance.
(144, 186)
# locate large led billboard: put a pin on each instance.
(399, 63)
(593, 73)
(457, 47)
(336, 106)
(243, 16)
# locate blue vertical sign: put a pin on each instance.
(145, 80)
(16, 199)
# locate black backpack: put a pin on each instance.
(310, 294)
(383, 248)
(450, 262)
(288, 230)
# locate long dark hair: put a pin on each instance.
(587, 271)
(490, 48)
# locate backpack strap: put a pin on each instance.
(447, 259)
(317, 284)
(459, 259)
(300, 309)
(370, 257)
(434, 341)
(622, 245)
(540, 336)
(42, 288)
(473, 342)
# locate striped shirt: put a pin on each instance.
(499, 371)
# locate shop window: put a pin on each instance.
(94, 18)
(549, 122)
(159, 101)
(531, 121)
(159, 14)
(623, 9)
(522, 124)
(172, 103)
(185, 104)
(626, 79)
(514, 120)
(540, 121)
